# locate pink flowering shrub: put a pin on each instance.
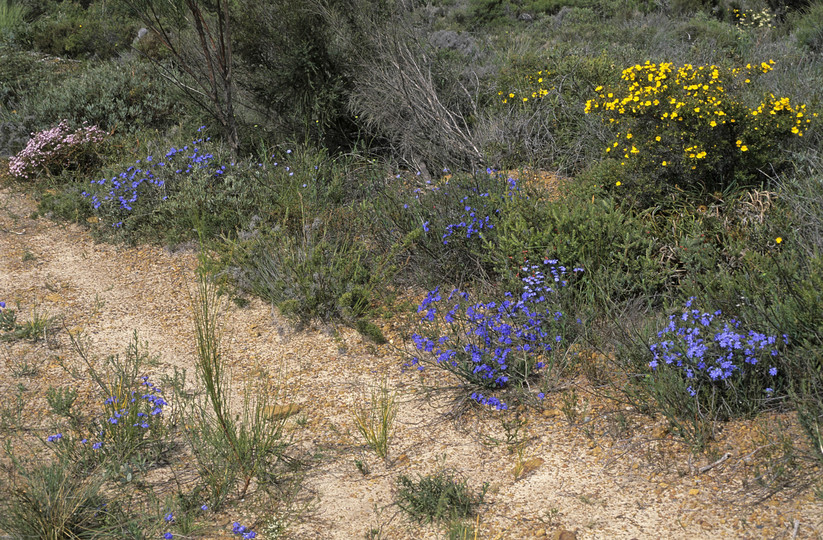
(53, 150)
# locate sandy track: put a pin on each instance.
(601, 488)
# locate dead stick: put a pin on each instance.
(705, 468)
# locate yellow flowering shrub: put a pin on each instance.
(534, 86)
(687, 127)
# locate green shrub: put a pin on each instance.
(586, 227)
(687, 129)
(298, 63)
(536, 117)
(12, 21)
(809, 29)
(232, 447)
(320, 273)
(438, 497)
(70, 29)
(116, 96)
(507, 12)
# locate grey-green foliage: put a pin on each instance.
(54, 500)
(319, 272)
(12, 19)
(809, 31)
(119, 96)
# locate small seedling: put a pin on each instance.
(61, 400)
(362, 466)
(375, 420)
(569, 407)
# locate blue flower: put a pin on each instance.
(168, 536)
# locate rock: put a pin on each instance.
(280, 412)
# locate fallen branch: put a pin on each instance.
(705, 468)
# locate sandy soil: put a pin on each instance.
(591, 478)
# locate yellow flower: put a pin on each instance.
(712, 123)
(618, 183)
(778, 240)
(511, 95)
(744, 148)
(629, 135)
(657, 138)
(665, 163)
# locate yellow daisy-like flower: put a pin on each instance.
(657, 138)
(618, 183)
(665, 163)
(744, 148)
(778, 240)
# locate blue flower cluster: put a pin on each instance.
(494, 344)
(478, 207)
(242, 531)
(136, 413)
(710, 350)
(169, 518)
(8, 318)
(120, 192)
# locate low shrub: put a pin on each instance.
(688, 129)
(491, 346)
(323, 272)
(438, 497)
(809, 28)
(81, 31)
(53, 151)
(589, 226)
(54, 500)
(118, 96)
(12, 21)
(706, 367)
(446, 223)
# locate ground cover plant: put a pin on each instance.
(666, 257)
